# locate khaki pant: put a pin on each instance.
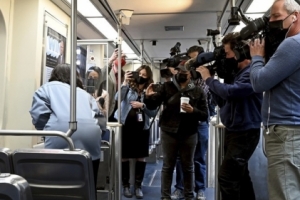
(283, 153)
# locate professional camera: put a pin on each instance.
(252, 29)
(175, 58)
(157, 87)
(259, 28)
(211, 32)
(176, 49)
(218, 57)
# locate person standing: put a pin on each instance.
(279, 79)
(51, 108)
(135, 127)
(240, 109)
(178, 129)
(202, 144)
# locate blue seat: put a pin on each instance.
(14, 187)
(5, 160)
(56, 174)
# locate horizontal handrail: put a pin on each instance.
(113, 124)
(39, 133)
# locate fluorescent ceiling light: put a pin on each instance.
(260, 6)
(104, 27)
(87, 9)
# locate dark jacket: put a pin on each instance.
(240, 106)
(171, 119)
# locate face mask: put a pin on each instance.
(181, 78)
(142, 80)
(276, 28)
(231, 64)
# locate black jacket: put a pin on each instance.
(171, 119)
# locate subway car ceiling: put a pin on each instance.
(156, 26)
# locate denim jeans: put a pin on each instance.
(234, 179)
(173, 146)
(283, 153)
(199, 160)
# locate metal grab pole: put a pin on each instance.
(116, 162)
(73, 122)
(39, 133)
(119, 70)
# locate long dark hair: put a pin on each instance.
(61, 73)
(149, 73)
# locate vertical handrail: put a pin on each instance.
(73, 122)
(116, 162)
(119, 71)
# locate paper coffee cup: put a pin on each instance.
(183, 100)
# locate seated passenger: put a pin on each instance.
(51, 111)
(135, 130)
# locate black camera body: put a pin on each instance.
(135, 75)
(175, 60)
(157, 87)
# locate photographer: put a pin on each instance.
(279, 79)
(135, 130)
(240, 113)
(202, 143)
(178, 129)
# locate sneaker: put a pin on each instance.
(177, 194)
(200, 195)
(126, 192)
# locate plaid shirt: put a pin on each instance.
(201, 83)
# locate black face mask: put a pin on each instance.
(276, 29)
(142, 80)
(181, 78)
(231, 64)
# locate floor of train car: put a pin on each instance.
(151, 184)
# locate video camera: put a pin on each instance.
(257, 28)
(176, 56)
(218, 56)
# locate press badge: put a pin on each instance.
(139, 116)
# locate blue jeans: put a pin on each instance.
(199, 160)
(185, 147)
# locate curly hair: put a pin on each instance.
(62, 73)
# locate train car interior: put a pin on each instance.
(88, 32)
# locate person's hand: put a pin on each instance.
(257, 47)
(136, 104)
(187, 107)
(149, 90)
(114, 56)
(204, 72)
(127, 76)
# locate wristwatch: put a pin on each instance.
(143, 107)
